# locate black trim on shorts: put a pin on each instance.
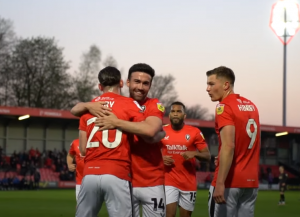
(131, 196)
(212, 205)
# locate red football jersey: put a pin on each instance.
(108, 151)
(147, 163)
(74, 150)
(243, 114)
(182, 174)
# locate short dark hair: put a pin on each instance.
(109, 76)
(141, 67)
(178, 103)
(224, 72)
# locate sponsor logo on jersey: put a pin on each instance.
(177, 147)
(220, 109)
(240, 101)
(187, 137)
(166, 138)
(160, 107)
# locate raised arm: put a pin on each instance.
(149, 127)
(95, 108)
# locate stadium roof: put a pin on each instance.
(64, 114)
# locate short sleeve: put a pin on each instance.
(72, 150)
(199, 142)
(155, 108)
(82, 123)
(224, 116)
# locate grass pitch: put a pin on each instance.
(61, 203)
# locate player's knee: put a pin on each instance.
(171, 210)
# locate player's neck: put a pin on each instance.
(115, 90)
(141, 102)
(229, 92)
(177, 127)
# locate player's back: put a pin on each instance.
(108, 151)
(245, 116)
(147, 163)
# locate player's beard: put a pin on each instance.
(177, 123)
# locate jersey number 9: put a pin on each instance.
(251, 134)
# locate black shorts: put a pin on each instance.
(282, 188)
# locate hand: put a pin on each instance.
(98, 109)
(168, 160)
(188, 155)
(283, 184)
(71, 167)
(107, 122)
(216, 161)
(219, 194)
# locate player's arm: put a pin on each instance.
(95, 108)
(203, 155)
(148, 128)
(82, 142)
(70, 160)
(284, 179)
(158, 136)
(227, 135)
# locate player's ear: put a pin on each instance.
(100, 87)
(127, 82)
(121, 83)
(226, 85)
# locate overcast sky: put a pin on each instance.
(183, 38)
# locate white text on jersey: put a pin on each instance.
(109, 103)
(245, 108)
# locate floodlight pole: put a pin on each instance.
(284, 74)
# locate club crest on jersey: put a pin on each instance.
(220, 109)
(187, 137)
(160, 107)
(138, 105)
(143, 107)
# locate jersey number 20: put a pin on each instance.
(105, 141)
(251, 134)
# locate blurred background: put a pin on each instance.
(51, 53)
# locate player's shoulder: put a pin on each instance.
(151, 101)
(154, 102)
(191, 128)
(167, 126)
(75, 142)
(86, 116)
(98, 98)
